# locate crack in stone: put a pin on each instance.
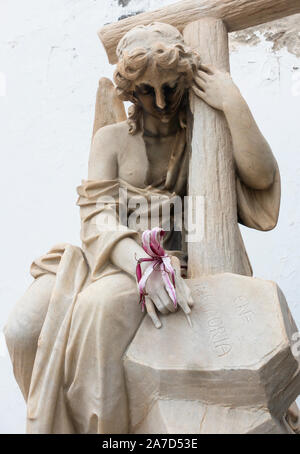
(124, 16)
(282, 33)
(123, 2)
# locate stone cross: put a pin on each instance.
(205, 25)
(235, 370)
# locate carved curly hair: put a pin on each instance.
(161, 44)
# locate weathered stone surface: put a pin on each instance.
(180, 416)
(236, 358)
(237, 15)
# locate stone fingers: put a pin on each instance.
(160, 305)
(152, 313)
(200, 93)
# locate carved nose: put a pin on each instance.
(160, 99)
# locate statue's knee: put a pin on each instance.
(8, 334)
(27, 317)
(11, 334)
(20, 337)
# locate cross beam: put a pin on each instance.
(236, 14)
(212, 176)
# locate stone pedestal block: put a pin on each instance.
(232, 372)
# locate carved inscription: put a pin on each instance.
(243, 309)
(218, 335)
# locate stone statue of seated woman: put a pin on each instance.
(68, 334)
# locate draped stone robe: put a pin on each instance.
(77, 384)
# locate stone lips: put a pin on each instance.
(237, 354)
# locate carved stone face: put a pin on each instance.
(159, 92)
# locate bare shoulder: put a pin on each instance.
(106, 146)
(111, 135)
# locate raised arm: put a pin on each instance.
(254, 159)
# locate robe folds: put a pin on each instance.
(52, 401)
(77, 383)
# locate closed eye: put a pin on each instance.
(145, 89)
(170, 88)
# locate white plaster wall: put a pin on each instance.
(52, 59)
